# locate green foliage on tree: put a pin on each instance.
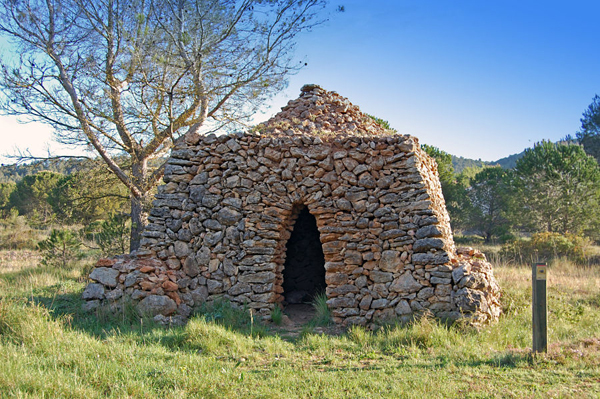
(88, 195)
(461, 163)
(30, 196)
(490, 197)
(453, 189)
(557, 188)
(6, 189)
(589, 134)
(60, 249)
(468, 174)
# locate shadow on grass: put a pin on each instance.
(433, 364)
(64, 303)
(101, 322)
(503, 361)
(122, 318)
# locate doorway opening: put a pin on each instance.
(304, 267)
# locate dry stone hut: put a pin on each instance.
(320, 198)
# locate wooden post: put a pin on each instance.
(539, 308)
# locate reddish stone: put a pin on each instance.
(105, 262)
(174, 296)
(156, 263)
(170, 286)
(146, 269)
(147, 285)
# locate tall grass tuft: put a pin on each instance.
(322, 315)
(277, 316)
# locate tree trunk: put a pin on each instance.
(139, 220)
(139, 204)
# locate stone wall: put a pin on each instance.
(220, 224)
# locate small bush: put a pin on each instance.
(547, 246)
(383, 123)
(60, 249)
(111, 235)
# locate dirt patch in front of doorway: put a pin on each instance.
(297, 320)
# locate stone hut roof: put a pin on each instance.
(322, 112)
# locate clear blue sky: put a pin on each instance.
(479, 79)
(476, 78)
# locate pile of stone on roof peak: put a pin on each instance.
(321, 112)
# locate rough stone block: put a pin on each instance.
(154, 305)
(93, 291)
(403, 308)
(390, 261)
(425, 244)
(105, 276)
(380, 277)
(341, 302)
(405, 284)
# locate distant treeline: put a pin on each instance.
(510, 162)
(15, 172)
(460, 164)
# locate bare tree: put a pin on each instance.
(128, 78)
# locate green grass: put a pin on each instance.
(49, 348)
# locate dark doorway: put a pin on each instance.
(304, 268)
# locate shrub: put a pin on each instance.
(383, 123)
(60, 249)
(547, 246)
(17, 233)
(111, 235)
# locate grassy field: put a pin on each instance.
(50, 349)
